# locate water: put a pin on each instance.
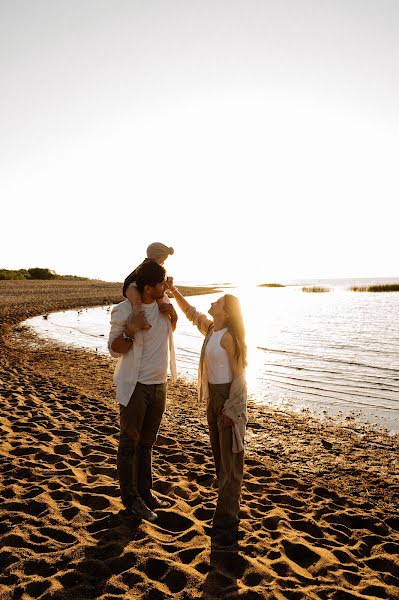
(333, 353)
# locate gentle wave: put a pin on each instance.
(335, 360)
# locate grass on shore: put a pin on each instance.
(271, 285)
(315, 289)
(384, 287)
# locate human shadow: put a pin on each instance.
(89, 578)
(226, 565)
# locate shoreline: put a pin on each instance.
(319, 517)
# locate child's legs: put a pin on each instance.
(134, 297)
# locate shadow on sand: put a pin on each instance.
(102, 560)
(226, 566)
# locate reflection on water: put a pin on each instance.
(336, 352)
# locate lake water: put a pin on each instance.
(332, 353)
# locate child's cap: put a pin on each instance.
(157, 250)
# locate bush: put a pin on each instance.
(10, 274)
(38, 273)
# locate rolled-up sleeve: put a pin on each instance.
(118, 326)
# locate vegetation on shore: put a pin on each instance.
(384, 287)
(271, 285)
(40, 273)
(315, 289)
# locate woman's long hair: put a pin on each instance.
(235, 324)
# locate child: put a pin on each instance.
(157, 252)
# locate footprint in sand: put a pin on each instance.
(169, 548)
(260, 473)
(45, 437)
(188, 556)
(284, 500)
(69, 513)
(254, 488)
(182, 493)
(203, 514)
(106, 490)
(175, 580)
(96, 458)
(58, 535)
(131, 578)
(94, 502)
(159, 570)
(188, 536)
(36, 588)
(34, 491)
(31, 507)
(120, 564)
(300, 554)
(383, 565)
(173, 521)
(39, 567)
(253, 579)
(308, 527)
(71, 579)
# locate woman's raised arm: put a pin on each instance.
(197, 318)
(181, 301)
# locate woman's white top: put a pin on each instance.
(217, 359)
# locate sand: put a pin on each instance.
(319, 504)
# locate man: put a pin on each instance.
(140, 378)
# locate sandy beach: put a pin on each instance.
(319, 516)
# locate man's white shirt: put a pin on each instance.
(147, 359)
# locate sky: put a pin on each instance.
(258, 138)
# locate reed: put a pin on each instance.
(384, 287)
(315, 289)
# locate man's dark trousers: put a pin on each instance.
(139, 425)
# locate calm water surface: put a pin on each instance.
(334, 352)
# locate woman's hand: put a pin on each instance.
(226, 421)
(169, 283)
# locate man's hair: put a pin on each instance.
(149, 273)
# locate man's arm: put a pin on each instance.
(119, 345)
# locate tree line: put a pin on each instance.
(36, 273)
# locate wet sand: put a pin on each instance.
(319, 505)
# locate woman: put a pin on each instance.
(221, 383)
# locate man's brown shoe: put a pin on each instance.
(139, 510)
(153, 502)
